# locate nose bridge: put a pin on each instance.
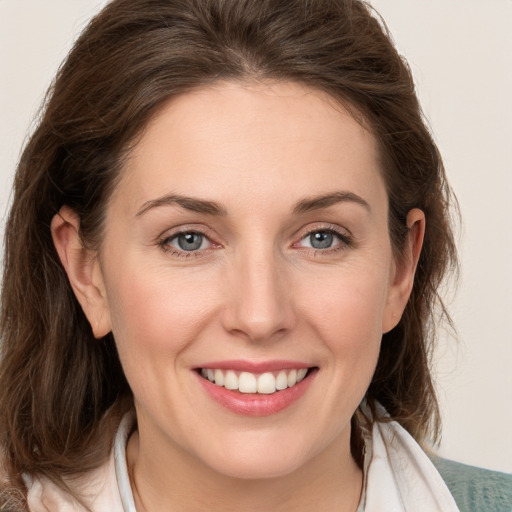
(260, 305)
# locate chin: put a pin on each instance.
(256, 469)
(261, 462)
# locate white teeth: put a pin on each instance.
(301, 374)
(247, 383)
(219, 378)
(266, 383)
(292, 378)
(281, 380)
(231, 380)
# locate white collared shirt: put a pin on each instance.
(398, 477)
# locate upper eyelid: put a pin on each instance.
(180, 230)
(171, 238)
(321, 226)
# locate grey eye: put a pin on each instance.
(190, 241)
(321, 239)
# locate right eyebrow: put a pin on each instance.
(188, 203)
(324, 201)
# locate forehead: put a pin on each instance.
(238, 141)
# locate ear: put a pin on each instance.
(83, 269)
(402, 278)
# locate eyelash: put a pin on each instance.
(345, 241)
(165, 242)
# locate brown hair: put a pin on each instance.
(61, 391)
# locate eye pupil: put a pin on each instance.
(190, 241)
(321, 239)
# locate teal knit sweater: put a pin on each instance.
(475, 489)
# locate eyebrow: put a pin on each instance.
(305, 205)
(188, 203)
(309, 204)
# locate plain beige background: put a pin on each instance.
(460, 52)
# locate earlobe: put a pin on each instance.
(404, 270)
(83, 270)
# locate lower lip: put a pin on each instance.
(255, 404)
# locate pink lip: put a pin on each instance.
(254, 404)
(255, 366)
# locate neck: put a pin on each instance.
(331, 481)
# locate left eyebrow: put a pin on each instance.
(309, 204)
(185, 202)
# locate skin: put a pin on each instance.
(255, 290)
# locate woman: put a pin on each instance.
(222, 259)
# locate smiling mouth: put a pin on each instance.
(263, 383)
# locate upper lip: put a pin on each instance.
(255, 366)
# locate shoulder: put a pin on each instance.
(476, 489)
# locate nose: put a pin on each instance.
(259, 305)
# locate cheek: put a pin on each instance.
(348, 319)
(351, 301)
(157, 313)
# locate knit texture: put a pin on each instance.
(476, 489)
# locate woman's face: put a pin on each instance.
(248, 241)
